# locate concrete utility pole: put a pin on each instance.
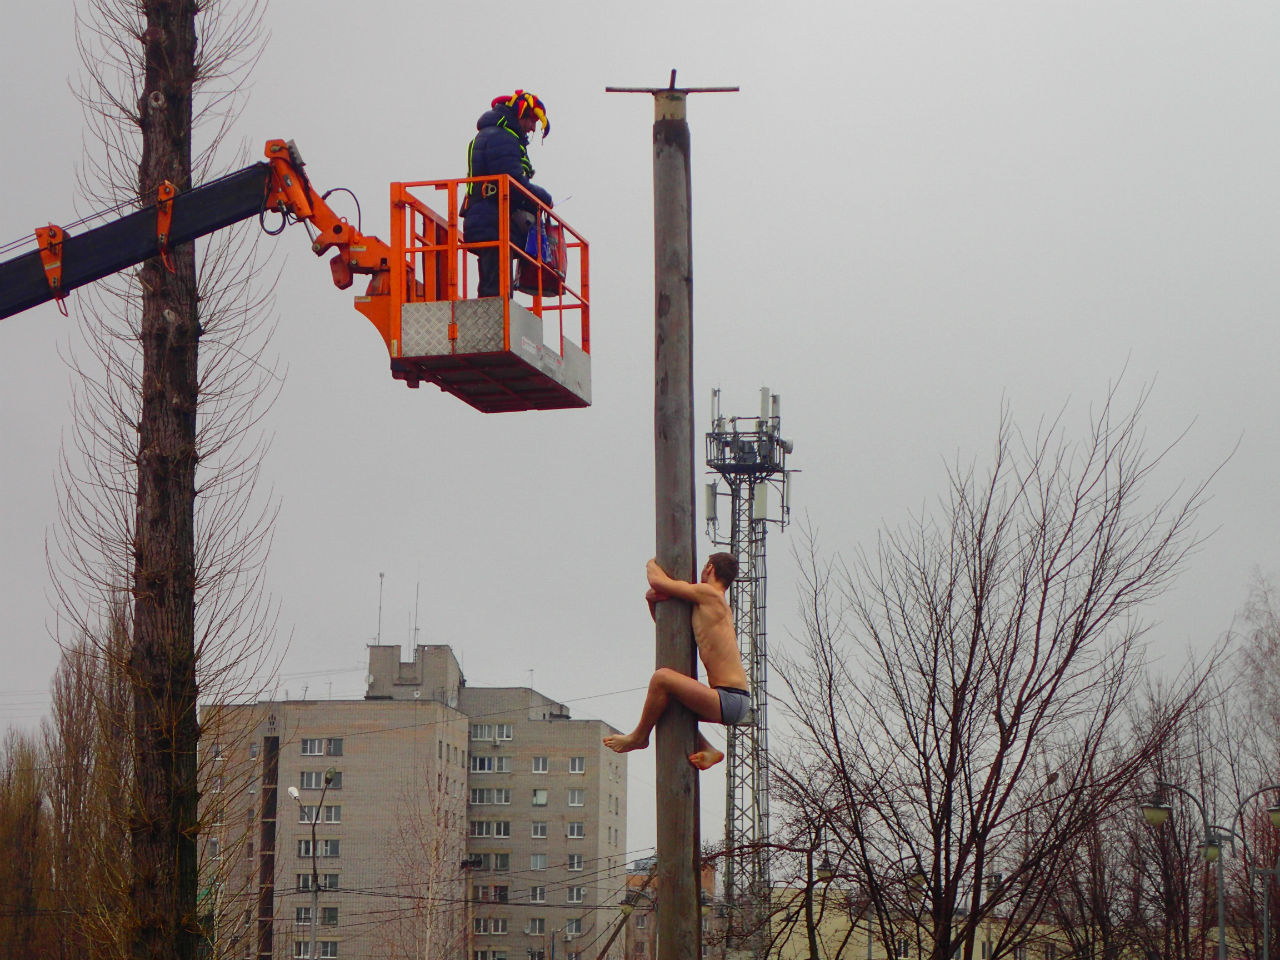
(679, 841)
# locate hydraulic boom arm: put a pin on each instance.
(64, 262)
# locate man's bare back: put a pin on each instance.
(712, 620)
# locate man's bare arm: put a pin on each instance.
(654, 598)
(680, 589)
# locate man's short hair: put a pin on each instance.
(725, 567)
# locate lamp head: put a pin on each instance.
(1155, 812)
(293, 792)
(1211, 849)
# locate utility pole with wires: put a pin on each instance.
(678, 834)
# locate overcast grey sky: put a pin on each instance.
(912, 212)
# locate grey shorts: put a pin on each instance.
(735, 704)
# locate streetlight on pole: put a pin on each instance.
(1155, 811)
(315, 869)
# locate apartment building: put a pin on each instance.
(437, 820)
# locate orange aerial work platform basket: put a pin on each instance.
(504, 353)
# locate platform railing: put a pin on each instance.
(430, 261)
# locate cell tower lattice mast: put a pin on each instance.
(749, 457)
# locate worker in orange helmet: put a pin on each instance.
(501, 145)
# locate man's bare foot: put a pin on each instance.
(706, 758)
(620, 743)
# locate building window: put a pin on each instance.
(481, 828)
(333, 746)
(501, 862)
(577, 830)
(540, 798)
(248, 849)
(537, 894)
(903, 949)
(307, 814)
(577, 764)
(482, 731)
(481, 764)
(214, 848)
(330, 848)
(254, 749)
(302, 916)
(640, 949)
(537, 861)
(986, 950)
(539, 764)
(575, 861)
(314, 780)
(1050, 951)
(573, 927)
(577, 894)
(502, 731)
(537, 926)
(641, 921)
(328, 881)
(328, 916)
(313, 748)
(501, 894)
(328, 949)
(304, 881)
(539, 830)
(301, 948)
(577, 798)
(304, 848)
(333, 813)
(490, 795)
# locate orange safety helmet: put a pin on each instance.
(523, 103)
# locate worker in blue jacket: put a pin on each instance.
(501, 146)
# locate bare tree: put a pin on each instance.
(24, 832)
(157, 502)
(88, 757)
(426, 854)
(960, 702)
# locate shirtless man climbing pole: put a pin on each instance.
(724, 698)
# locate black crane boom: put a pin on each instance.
(120, 244)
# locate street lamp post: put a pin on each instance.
(315, 869)
(1155, 811)
(1268, 874)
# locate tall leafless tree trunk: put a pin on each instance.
(159, 502)
(164, 822)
